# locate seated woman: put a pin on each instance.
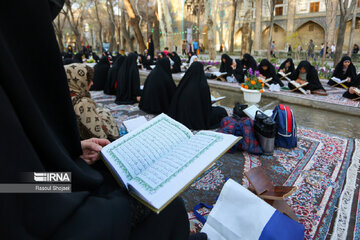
(239, 73)
(101, 70)
(159, 89)
(177, 62)
(191, 104)
(112, 77)
(267, 70)
(287, 67)
(92, 121)
(350, 93)
(305, 72)
(227, 65)
(344, 70)
(194, 58)
(190, 54)
(41, 134)
(128, 82)
(247, 62)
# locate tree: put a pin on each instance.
(58, 24)
(271, 5)
(331, 9)
(96, 2)
(210, 29)
(351, 38)
(232, 24)
(245, 32)
(345, 10)
(125, 32)
(75, 22)
(134, 22)
(111, 15)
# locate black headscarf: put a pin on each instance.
(226, 66)
(68, 58)
(78, 58)
(190, 54)
(95, 57)
(40, 134)
(248, 62)
(291, 68)
(191, 104)
(311, 76)
(112, 76)
(151, 48)
(239, 72)
(177, 62)
(49, 139)
(101, 70)
(270, 72)
(355, 83)
(339, 73)
(128, 84)
(159, 89)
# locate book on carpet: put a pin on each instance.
(160, 159)
(132, 124)
(216, 99)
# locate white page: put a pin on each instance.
(338, 80)
(238, 214)
(133, 153)
(218, 74)
(135, 123)
(160, 182)
(251, 111)
(214, 99)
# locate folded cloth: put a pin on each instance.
(245, 128)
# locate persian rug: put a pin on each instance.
(347, 222)
(317, 167)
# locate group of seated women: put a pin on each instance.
(236, 71)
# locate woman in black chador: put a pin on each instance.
(128, 81)
(40, 134)
(177, 62)
(151, 47)
(101, 70)
(159, 89)
(345, 69)
(305, 72)
(226, 64)
(350, 92)
(287, 67)
(112, 77)
(248, 62)
(191, 104)
(267, 70)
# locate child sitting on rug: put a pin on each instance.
(92, 120)
(305, 72)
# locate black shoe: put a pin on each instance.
(198, 236)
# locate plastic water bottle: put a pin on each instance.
(122, 131)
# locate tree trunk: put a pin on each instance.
(134, 22)
(100, 26)
(156, 35)
(161, 23)
(244, 33)
(351, 38)
(271, 8)
(58, 27)
(340, 40)
(74, 24)
(111, 15)
(232, 25)
(168, 24)
(250, 41)
(125, 32)
(210, 29)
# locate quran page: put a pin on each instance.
(133, 153)
(164, 180)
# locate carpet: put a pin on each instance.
(318, 168)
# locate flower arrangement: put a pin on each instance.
(252, 82)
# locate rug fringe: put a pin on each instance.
(345, 202)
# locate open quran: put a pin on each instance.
(160, 159)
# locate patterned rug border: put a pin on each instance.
(342, 220)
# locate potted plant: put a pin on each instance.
(252, 87)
